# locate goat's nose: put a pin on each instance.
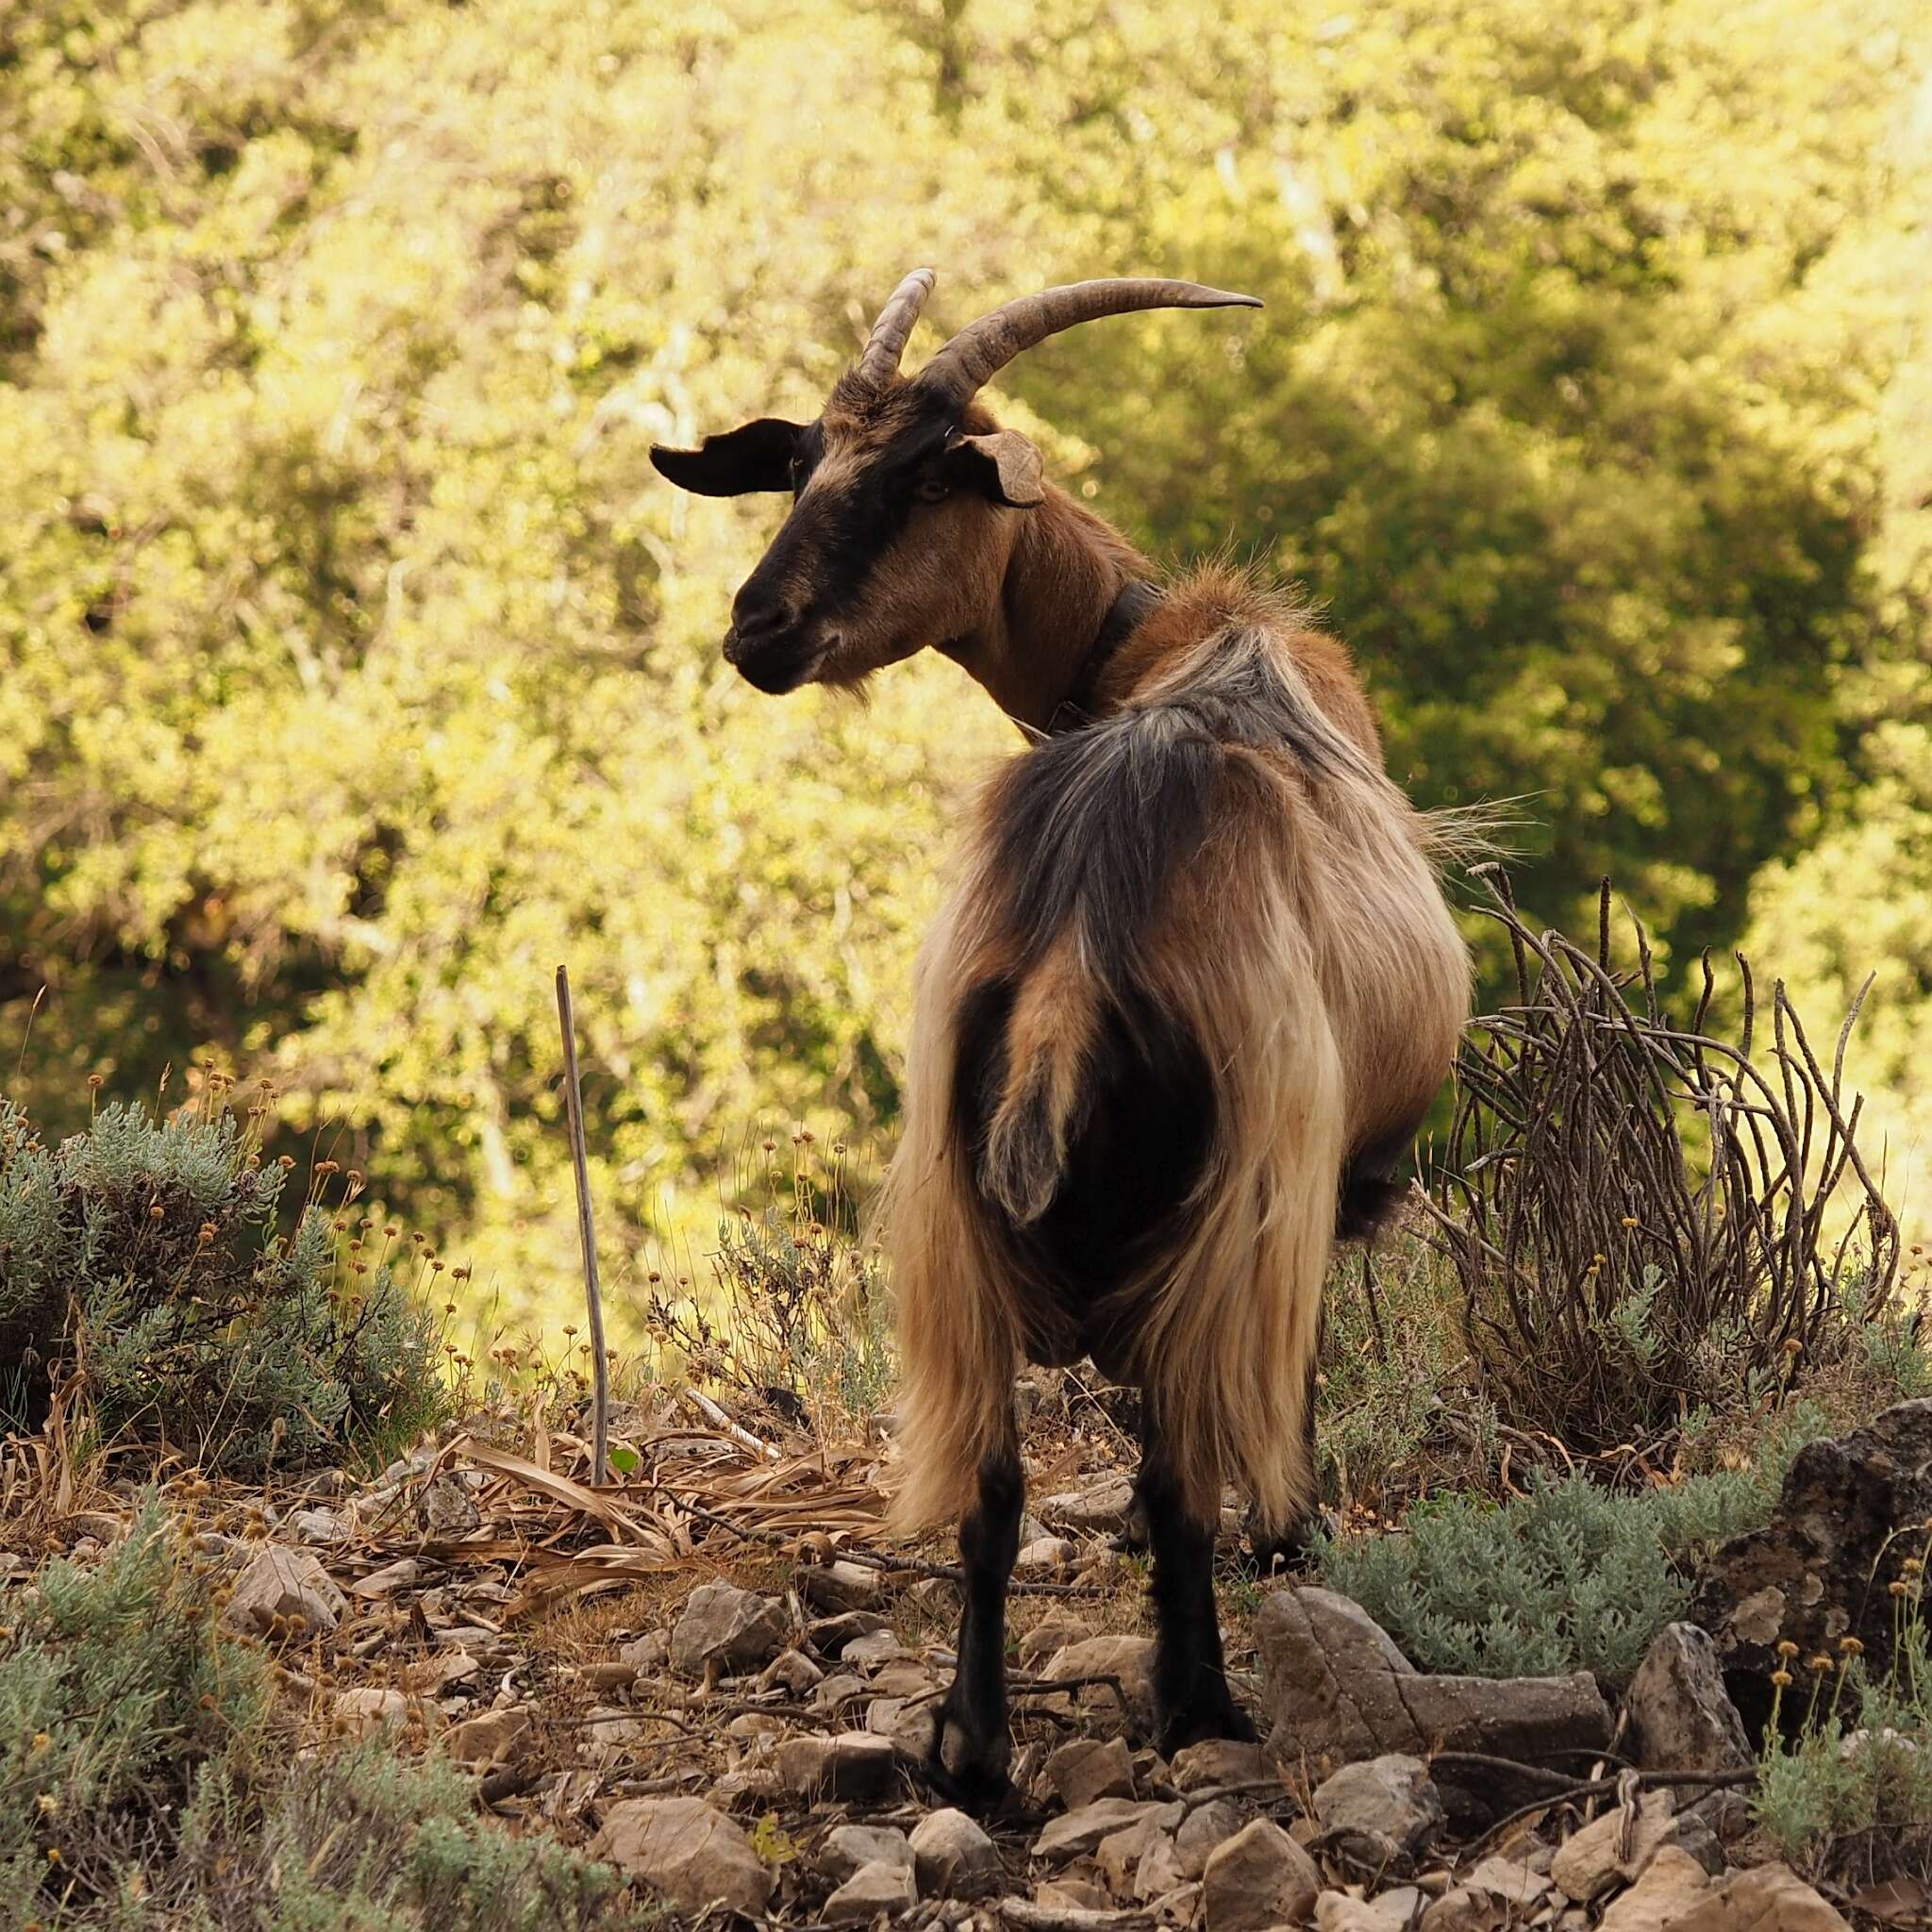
(767, 615)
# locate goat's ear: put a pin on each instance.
(1002, 465)
(758, 457)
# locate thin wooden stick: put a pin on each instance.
(594, 1293)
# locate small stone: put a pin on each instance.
(1159, 1875)
(1100, 1508)
(1463, 1909)
(832, 1691)
(1204, 1828)
(488, 1738)
(1681, 1716)
(1217, 1761)
(870, 1891)
(876, 1647)
(1387, 1810)
(1128, 1658)
(836, 1588)
(1117, 1855)
(448, 1508)
(754, 1724)
(1769, 1898)
(1043, 1556)
(728, 1627)
(1051, 1633)
(610, 1676)
(748, 1787)
(1076, 1833)
(284, 1593)
(388, 1579)
(1259, 1877)
(362, 1712)
(1511, 1880)
(1071, 1895)
(319, 1527)
(1672, 1884)
(1591, 1862)
(852, 1846)
(687, 1851)
(1390, 1912)
(829, 1636)
(1090, 1767)
(647, 1654)
(955, 1858)
(854, 1766)
(793, 1670)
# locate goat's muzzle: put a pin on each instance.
(773, 645)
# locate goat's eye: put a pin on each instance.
(933, 490)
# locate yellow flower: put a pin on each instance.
(1787, 1648)
(1780, 1678)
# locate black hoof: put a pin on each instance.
(969, 1771)
(1196, 1726)
(1289, 1553)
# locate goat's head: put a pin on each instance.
(907, 496)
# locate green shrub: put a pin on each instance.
(144, 1254)
(1852, 1793)
(1571, 1576)
(146, 1781)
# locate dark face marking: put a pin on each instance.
(857, 479)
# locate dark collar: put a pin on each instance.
(1124, 616)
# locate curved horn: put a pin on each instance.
(983, 348)
(887, 342)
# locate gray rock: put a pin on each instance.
(1388, 1911)
(1217, 1761)
(1336, 1689)
(834, 1691)
(1203, 1828)
(1044, 1555)
(1822, 1569)
(854, 1766)
(876, 1647)
(285, 1593)
(1767, 1898)
(836, 1588)
(727, 1626)
(488, 1738)
(852, 1846)
(1128, 1658)
(1090, 1767)
(955, 1858)
(870, 1891)
(1051, 1635)
(1612, 1849)
(1386, 1811)
(647, 1654)
(829, 1636)
(1159, 1875)
(1100, 1507)
(793, 1670)
(1672, 1884)
(319, 1527)
(1681, 1716)
(1076, 1833)
(685, 1851)
(1258, 1878)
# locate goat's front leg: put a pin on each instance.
(971, 1743)
(1191, 1693)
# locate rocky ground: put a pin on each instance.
(731, 1706)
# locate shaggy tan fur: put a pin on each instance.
(1310, 952)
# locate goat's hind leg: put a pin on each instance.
(971, 1743)
(1190, 1691)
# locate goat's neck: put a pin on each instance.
(1065, 569)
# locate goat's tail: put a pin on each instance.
(1047, 1046)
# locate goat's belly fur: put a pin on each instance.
(1194, 982)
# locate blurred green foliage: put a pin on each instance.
(358, 669)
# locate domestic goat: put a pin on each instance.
(1193, 989)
